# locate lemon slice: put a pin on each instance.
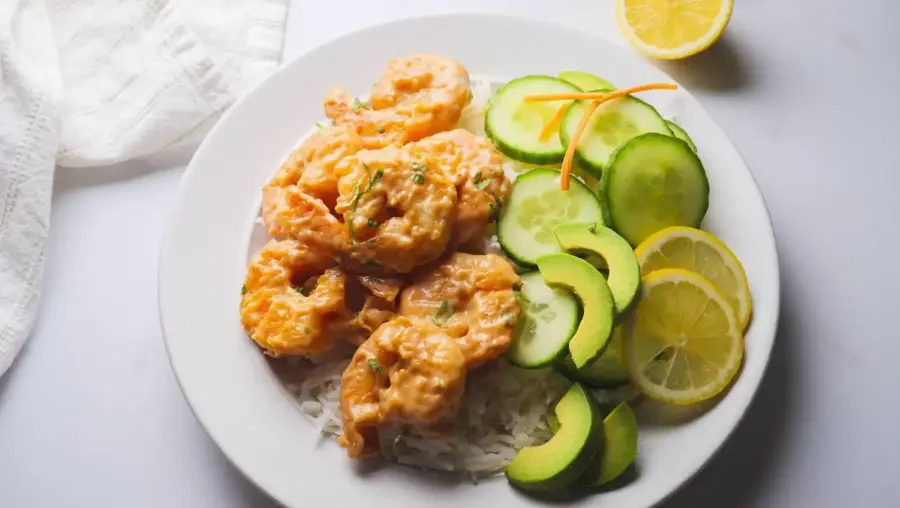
(684, 345)
(672, 29)
(701, 252)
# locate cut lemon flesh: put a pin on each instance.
(684, 344)
(672, 29)
(701, 252)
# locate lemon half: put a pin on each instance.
(684, 344)
(672, 29)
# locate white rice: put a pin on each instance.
(504, 408)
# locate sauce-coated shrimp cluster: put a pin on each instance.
(365, 215)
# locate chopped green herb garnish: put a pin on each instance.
(358, 105)
(243, 289)
(483, 183)
(321, 126)
(495, 207)
(379, 129)
(375, 366)
(418, 178)
(418, 167)
(444, 313)
(300, 289)
(372, 223)
(357, 194)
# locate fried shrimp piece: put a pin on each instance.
(471, 298)
(290, 213)
(311, 166)
(405, 373)
(476, 168)
(274, 310)
(415, 97)
(369, 303)
(397, 215)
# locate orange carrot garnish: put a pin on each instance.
(554, 122)
(574, 96)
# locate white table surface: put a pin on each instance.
(91, 415)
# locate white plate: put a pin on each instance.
(228, 383)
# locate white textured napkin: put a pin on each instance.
(96, 82)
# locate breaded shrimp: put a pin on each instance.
(415, 97)
(471, 298)
(290, 213)
(405, 373)
(397, 215)
(476, 168)
(311, 166)
(275, 313)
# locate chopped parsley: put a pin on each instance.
(372, 223)
(418, 178)
(300, 289)
(480, 181)
(418, 167)
(444, 313)
(358, 105)
(243, 289)
(495, 207)
(379, 129)
(375, 366)
(321, 126)
(357, 194)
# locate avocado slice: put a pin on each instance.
(597, 303)
(608, 371)
(563, 459)
(624, 271)
(585, 81)
(620, 432)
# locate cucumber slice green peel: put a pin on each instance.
(681, 134)
(547, 321)
(535, 206)
(586, 81)
(515, 125)
(613, 123)
(654, 182)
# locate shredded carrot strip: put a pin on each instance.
(597, 99)
(566, 167)
(599, 95)
(554, 122)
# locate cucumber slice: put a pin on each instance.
(654, 182)
(681, 134)
(613, 123)
(535, 206)
(515, 125)
(586, 81)
(547, 321)
(608, 371)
